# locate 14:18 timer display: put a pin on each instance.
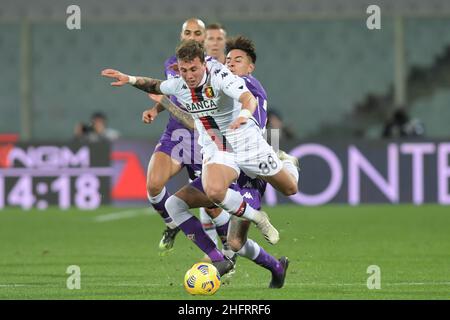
(39, 175)
(28, 191)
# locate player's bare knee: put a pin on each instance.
(215, 193)
(155, 185)
(153, 189)
(213, 212)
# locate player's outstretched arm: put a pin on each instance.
(149, 85)
(184, 117)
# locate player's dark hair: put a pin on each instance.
(244, 44)
(98, 115)
(189, 50)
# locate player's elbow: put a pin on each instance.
(248, 101)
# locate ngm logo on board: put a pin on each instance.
(39, 175)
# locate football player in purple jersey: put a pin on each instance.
(241, 59)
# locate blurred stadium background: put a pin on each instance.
(335, 83)
(317, 59)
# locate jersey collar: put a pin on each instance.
(204, 79)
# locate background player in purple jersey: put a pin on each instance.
(215, 44)
(216, 37)
(241, 59)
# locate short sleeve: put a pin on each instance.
(232, 85)
(169, 87)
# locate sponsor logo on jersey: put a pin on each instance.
(201, 106)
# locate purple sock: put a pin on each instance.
(193, 230)
(269, 262)
(160, 207)
(222, 231)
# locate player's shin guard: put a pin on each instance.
(192, 228)
(158, 204)
(253, 251)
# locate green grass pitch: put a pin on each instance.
(330, 249)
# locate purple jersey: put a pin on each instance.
(258, 91)
(253, 189)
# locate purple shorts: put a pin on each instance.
(251, 189)
(181, 144)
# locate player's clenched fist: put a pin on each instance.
(149, 115)
(238, 122)
(121, 78)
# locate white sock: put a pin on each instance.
(157, 198)
(222, 218)
(250, 250)
(171, 224)
(204, 216)
(289, 166)
(229, 253)
(234, 203)
(178, 210)
(208, 226)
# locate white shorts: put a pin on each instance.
(250, 153)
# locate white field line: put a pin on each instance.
(382, 284)
(13, 285)
(123, 215)
(136, 284)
